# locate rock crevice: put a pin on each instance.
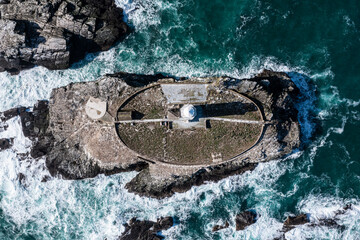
(56, 33)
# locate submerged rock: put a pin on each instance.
(78, 146)
(296, 220)
(146, 230)
(22, 178)
(56, 33)
(292, 222)
(220, 227)
(245, 219)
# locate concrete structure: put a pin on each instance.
(185, 93)
(188, 112)
(124, 116)
(95, 108)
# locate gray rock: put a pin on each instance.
(6, 143)
(77, 147)
(292, 222)
(220, 227)
(296, 220)
(146, 230)
(56, 33)
(245, 219)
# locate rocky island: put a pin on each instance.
(56, 33)
(176, 132)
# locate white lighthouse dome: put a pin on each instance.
(188, 112)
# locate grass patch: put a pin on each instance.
(189, 146)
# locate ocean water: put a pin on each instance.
(316, 42)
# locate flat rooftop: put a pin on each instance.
(185, 93)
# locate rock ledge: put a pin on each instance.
(56, 33)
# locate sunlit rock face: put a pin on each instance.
(56, 33)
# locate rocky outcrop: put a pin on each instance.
(6, 143)
(78, 147)
(220, 227)
(146, 230)
(296, 220)
(56, 33)
(242, 220)
(245, 219)
(292, 222)
(146, 184)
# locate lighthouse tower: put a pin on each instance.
(188, 112)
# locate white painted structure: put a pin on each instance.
(188, 112)
(95, 108)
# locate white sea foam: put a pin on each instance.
(145, 13)
(36, 84)
(97, 208)
(327, 207)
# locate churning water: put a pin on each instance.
(316, 42)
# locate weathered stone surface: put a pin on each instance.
(56, 33)
(146, 230)
(78, 147)
(245, 219)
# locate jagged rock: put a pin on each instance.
(56, 33)
(245, 219)
(8, 114)
(21, 177)
(3, 126)
(220, 227)
(45, 179)
(296, 220)
(146, 230)
(330, 223)
(34, 124)
(6, 143)
(78, 147)
(292, 222)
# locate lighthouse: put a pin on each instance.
(188, 112)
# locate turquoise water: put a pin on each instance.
(317, 39)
